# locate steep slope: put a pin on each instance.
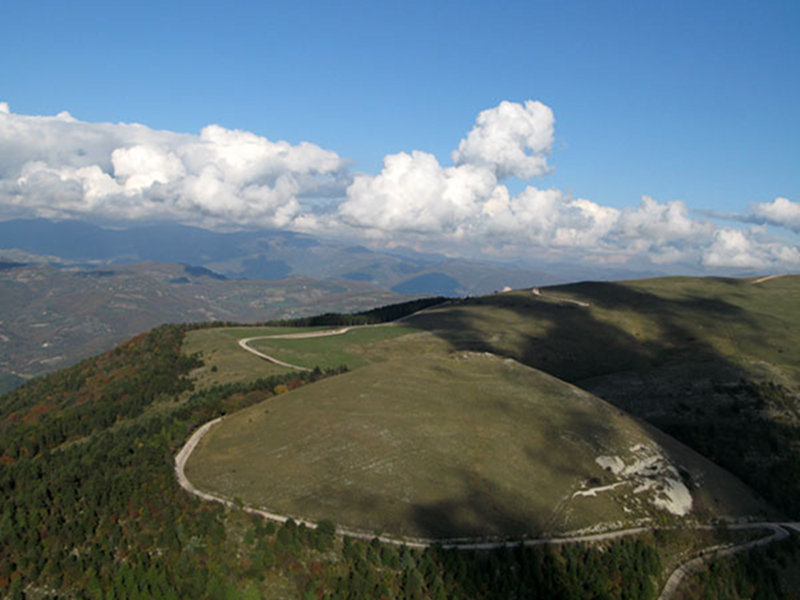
(714, 362)
(437, 444)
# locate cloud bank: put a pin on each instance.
(60, 167)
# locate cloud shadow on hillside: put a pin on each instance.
(672, 377)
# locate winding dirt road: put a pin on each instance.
(688, 568)
(698, 563)
(537, 292)
(766, 278)
(693, 565)
(244, 343)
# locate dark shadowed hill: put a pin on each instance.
(715, 362)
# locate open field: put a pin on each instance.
(453, 445)
(357, 347)
(638, 324)
(219, 347)
(712, 361)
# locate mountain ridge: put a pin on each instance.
(270, 254)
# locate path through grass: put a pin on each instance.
(356, 348)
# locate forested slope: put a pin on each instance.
(89, 508)
(95, 512)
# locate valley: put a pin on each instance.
(53, 317)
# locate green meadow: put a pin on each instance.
(224, 360)
(461, 421)
(430, 442)
(357, 347)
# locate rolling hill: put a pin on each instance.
(712, 361)
(713, 351)
(430, 444)
(51, 317)
(469, 436)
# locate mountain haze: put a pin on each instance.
(50, 317)
(262, 254)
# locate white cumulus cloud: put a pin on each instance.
(547, 218)
(414, 193)
(741, 248)
(417, 200)
(139, 167)
(61, 167)
(511, 139)
(781, 211)
(661, 223)
(58, 166)
(663, 231)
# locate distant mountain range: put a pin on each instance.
(70, 289)
(270, 255)
(51, 317)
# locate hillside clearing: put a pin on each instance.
(353, 347)
(437, 445)
(712, 361)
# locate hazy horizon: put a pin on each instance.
(633, 137)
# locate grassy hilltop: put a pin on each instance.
(430, 437)
(443, 446)
(90, 508)
(714, 362)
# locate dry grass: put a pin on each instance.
(438, 445)
(220, 348)
(430, 436)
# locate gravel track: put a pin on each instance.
(698, 563)
(693, 565)
(766, 278)
(538, 292)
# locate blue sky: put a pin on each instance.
(689, 101)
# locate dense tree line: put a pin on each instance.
(382, 314)
(95, 512)
(95, 508)
(92, 395)
(755, 575)
(374, 316)
(620, 569)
